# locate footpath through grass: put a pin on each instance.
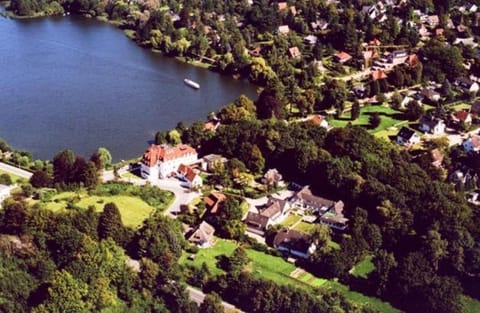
(274, 268)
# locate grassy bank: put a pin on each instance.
(265, 266)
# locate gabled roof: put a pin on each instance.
(292, 240)
(430, 121)
(461, 115)
(273, 207)
(213, 200)
(204, 233)
(305, 195)
(378, 74)
(343, 56)
(166, 153)
(283, 29)
(187, 171)
(406, 133)
(294, 52)
(257, 221)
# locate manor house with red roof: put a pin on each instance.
(161, 161)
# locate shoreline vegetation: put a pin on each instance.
(130, 33)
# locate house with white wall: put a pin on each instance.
(161, 161)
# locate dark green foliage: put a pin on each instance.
(13, 219)
(110, 224)
(374, 120)
(5, 179)
(212, 304)
(41, 179)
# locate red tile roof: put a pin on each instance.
(343, 56)
(165, 153)
(376, 75)
(462, 115)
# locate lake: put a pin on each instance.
(73, 82)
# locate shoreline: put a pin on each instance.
(130, 34)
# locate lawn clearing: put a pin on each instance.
(470, 305)
(132, 209)
(290, 220)
(363, 268)
(265, 266)
(15, 178)
(357, 297)
(305, 227)
(389, 117)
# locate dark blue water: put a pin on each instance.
(78, 83)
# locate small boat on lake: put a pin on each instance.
(191, 83)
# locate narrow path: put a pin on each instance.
(198, 296)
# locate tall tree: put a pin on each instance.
(110, 224)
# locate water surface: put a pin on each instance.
(72, 82)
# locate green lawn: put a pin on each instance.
(290, 220)
(266, 266)
(389, 118)
(133, 210)
(470, 305)
(305, 227)
(363, 268)
(14, 177)
(357, 297)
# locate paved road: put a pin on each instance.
(182, 195)
(197, 296)
(15, 170)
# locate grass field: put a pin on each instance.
(470, 305)
(389, 118)
(133, 210)
(363, 268)
(305, 227)
(14, 177)
(290, 220)
(274, 268)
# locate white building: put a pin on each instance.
(163, 161)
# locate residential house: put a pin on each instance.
(274, 211)
(161, 161)
(397, 55)
(213, 201)
(294, 243)
(342, 57)
(413, 60)
(378, 74)
(212, 125)
(283, 29)
(319, 25)
(430, 124)
(189, 176)
(212, 161)
(319, 120)
(294, 53)
(430, 94)
(462, 117)
(407, 137)
(466, 85)
(304, 199)
(310, 40)
(335, 219)
(203, 235)
(433, 21)
(472, 144)
(406, 101)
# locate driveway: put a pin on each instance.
(182, 195)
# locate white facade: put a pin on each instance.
(5, 192)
